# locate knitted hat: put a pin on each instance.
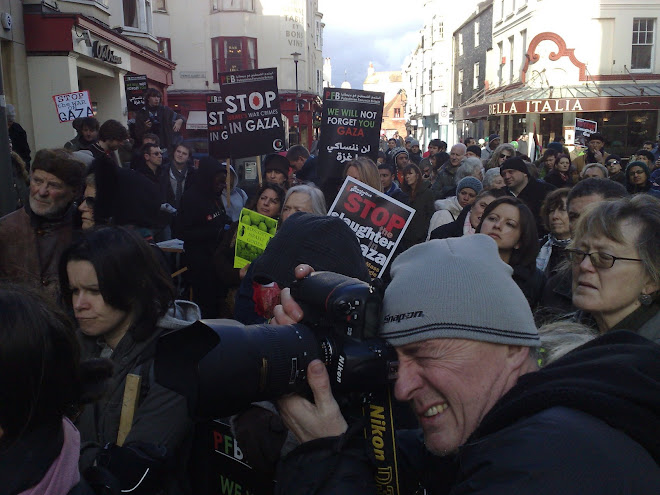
(474, 149)
(397, 151)
(515, 163)
(414, 142)
(641, 164)
(492, 137)
(324, 242)
(557, 146)
(275, 161)
(470, 182)
(468, 293)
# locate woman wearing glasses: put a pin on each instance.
(501, 153)
(638, 179)
(615, 260)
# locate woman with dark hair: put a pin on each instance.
(268, 201)
(42, 385)
(511, 224)
(638, 179)
(421, 198)
(555, 220)
(560, 175)
(123, 300)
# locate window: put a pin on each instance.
(460, 82)
(131, 13)
(397, 113)
(430, 80)
(523, 41)
(441, 30)
(476, 34)
(475, 84)
(160, 6)
(232, 54)
(511, 46)
(319, 35)
(502, 61)
(164, 47)
(460, 44)
(232, 5)
(642, 44)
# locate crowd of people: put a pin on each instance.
(498, 247)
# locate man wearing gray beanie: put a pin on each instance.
(492, 422)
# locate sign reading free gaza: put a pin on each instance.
(252, 115)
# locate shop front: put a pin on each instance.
(71, 52)
(626, 115)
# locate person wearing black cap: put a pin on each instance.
(276, 168)
(595, 152)
(521, 185)
(487, 152)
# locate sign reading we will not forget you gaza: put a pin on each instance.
(350, 128)
(252, 115)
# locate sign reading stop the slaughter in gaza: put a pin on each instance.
(350, 128)
(378, 221)
(252, 115)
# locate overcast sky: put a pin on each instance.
(361, 31)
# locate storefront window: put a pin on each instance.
(624, 132)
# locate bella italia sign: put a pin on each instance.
(103, 52)
(536, 106)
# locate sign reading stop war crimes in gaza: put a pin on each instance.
(378, 221)
(135, 89)
(70, 106)
(350, 127)
(218, 134)
(252, 115)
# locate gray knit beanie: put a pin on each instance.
(398, 151)
(470, 182)
(456, 288)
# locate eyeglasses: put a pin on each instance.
(636, 172)
(504, 157)
(90, 201)
(598, 260)
(613, 162)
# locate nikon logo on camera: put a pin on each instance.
(403, 316)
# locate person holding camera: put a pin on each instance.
(492, 422)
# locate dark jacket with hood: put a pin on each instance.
(424, 209)
(586, 424)
(162, 119)
(161, 424)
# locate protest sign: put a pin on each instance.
(254, 232)
(378, 221)
(252, 115)
(70, 106)
(350, 127)
(218, 465)
(135, 87)
(584, 129)
(218, 135)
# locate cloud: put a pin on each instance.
(358, 32)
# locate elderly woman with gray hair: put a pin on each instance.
(493, 179)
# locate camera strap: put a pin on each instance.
(379, 431)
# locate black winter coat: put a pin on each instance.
(587, 424)
(452, 229)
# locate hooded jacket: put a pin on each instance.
(589, 423)
(161, 424)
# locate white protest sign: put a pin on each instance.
(70, 106)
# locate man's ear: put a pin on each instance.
(517, 354)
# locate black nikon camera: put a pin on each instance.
(222, 366)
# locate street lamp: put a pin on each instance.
(296, 120)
